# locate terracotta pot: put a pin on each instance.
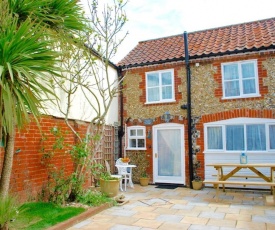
(109, 187)
(197, 185)
(144, 181)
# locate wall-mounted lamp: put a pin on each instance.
(184, 106)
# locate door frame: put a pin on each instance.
(182, 179)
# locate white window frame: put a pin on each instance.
(129, 137)
(238, 121)
(242, 95)
(160, 86)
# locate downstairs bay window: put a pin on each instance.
(240, 134)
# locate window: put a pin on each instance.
(241, 134)
(272, 136)
(160, 86)
(240, 79)
(136, 137)
(214, 135)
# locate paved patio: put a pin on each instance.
(183, 208)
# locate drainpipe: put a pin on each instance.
(120, 132)
(189, 117)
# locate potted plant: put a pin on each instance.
(197, 182)
(144, 179)
(109, 185)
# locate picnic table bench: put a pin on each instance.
(222, 178)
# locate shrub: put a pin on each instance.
(93, 198)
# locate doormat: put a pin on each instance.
(169, 186)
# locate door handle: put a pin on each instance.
(156, 155)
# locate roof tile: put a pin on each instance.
(251, 35)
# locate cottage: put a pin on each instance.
(232, 100)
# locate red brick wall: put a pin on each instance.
(29, 174)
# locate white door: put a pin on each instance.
(168, 153)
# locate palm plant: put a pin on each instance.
(9, 208)
(30, 31)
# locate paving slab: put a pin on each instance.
(183, 208)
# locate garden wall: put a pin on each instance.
(30, 166)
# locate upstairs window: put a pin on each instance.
(240, 79)
(160, 86)
(136, 137)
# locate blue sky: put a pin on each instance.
(150, 19)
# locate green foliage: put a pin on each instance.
(27, 60)
(40, 215)
(107, 176)
(8, 210)
(196, 166)
(24, 59)
(106, 27)
(60, 15)
(80, 151)
(31, 34)
(59, 138)
(60, 187)
(96, 170)
(59, 144)
(144, 175)
(93, 198)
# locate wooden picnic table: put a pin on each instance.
(222, 179)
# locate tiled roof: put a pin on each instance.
(243, 37)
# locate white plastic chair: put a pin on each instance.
(125, 175)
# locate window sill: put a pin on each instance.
(135, 148)
(241, 97)
(159, 102)
(239, 152)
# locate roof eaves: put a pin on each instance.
(152, 63)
